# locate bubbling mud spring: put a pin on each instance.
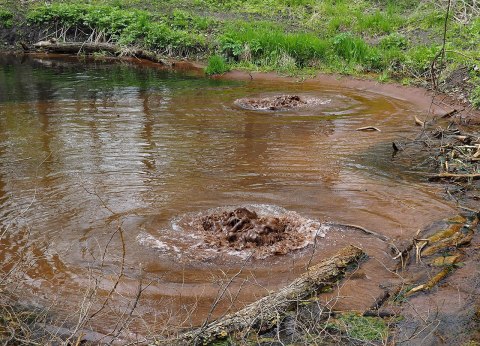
(257, 231)
(280, 102)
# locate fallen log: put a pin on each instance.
(446, 261)
(446, 233)
(92, 47)
(266, 312)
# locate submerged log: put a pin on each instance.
(430, 283)
(446, 233)
(266, 312)
(92, 47)
(460, 232)
(454, 176)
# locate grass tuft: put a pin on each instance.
(363, 328)
(216, 65)
(6, 18)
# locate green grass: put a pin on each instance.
(216, 65)
(362, 328)
(475, 94)
(266, 43)
(352, 48)
(6, 18)
(393, 39)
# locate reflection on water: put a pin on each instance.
(86, 147)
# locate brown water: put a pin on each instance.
(86, 148)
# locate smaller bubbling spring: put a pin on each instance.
(279, 102)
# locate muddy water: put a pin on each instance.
(100, 162)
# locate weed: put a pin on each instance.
(264, 42)
(6, 18)
(378, 22)
(181, 19)
(124, 26)
(100, 55)
(350, 48)
(475, 96)
(362, 328)
(216, 65)
(394, 41)
(418, 59)
(355, 50)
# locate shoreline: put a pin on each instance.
(436, 104)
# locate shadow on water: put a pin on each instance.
(87, 147)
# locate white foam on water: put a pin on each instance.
(152, 242)
(243, 254)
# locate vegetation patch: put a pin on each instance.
(6, 18)
(216, 65)
(361, 328)
(267, 44)
(475, 94)
(123, 26)
(391, 40)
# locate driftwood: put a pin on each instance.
(455, 235)
(91, 47)
(266, 312)
(418, 122)
(446, 233)
(446, 261)
(449, 113)
(360, 228)
(368, 128)
(456, 240)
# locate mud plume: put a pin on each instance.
(243, 229)
(282, 102)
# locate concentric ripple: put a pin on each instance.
(186, 239)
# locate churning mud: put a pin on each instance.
(243, 229)
(279, 102)
(257, 231)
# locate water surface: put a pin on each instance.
(88, 148)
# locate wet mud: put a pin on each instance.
(225, 234)
(244, 229)
(279, 102)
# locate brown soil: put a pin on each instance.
(244, 229)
